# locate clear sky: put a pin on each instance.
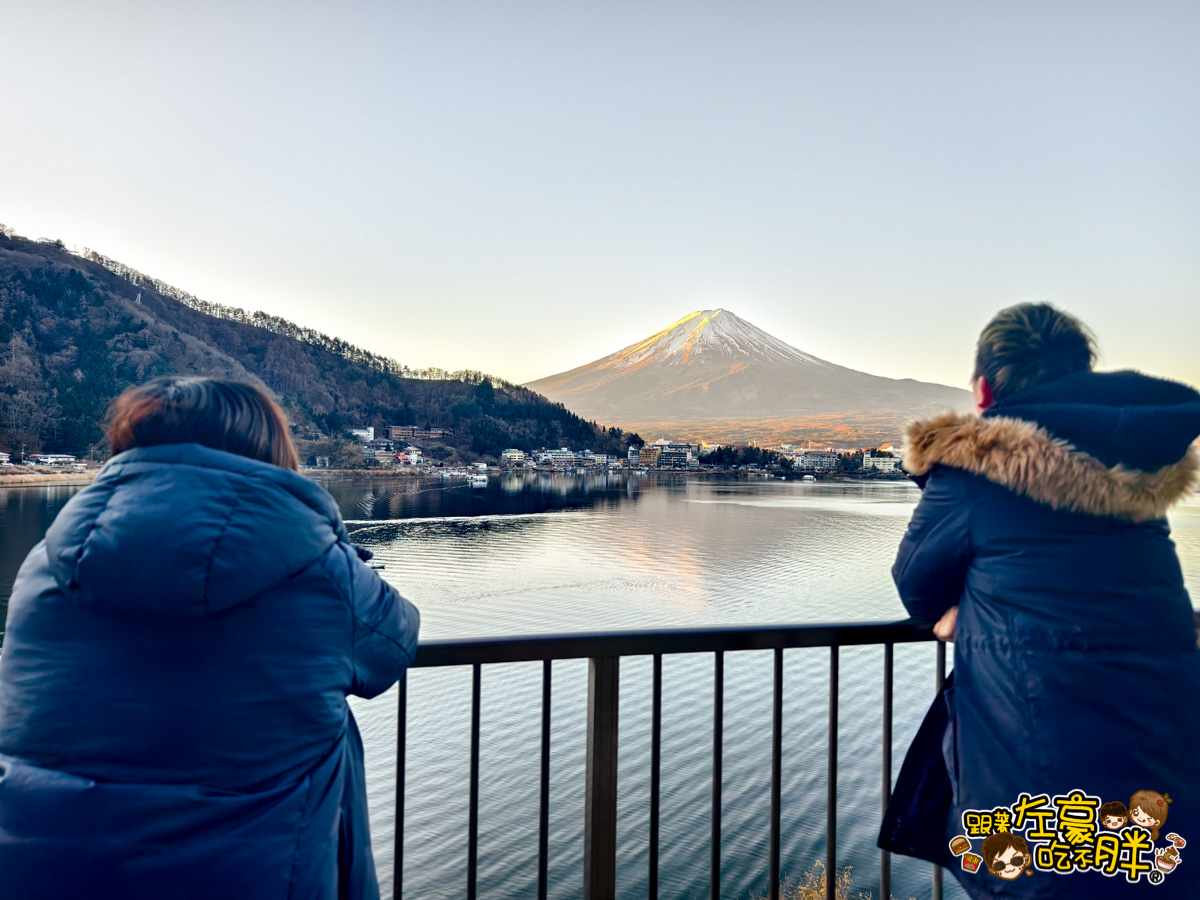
(523, 187)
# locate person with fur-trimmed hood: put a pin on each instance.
(1041, 547)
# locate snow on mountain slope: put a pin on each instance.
(712, 366)
(709, 331)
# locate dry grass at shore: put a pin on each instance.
(27, 477)
(811, 886)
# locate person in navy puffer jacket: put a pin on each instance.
(173, 682)
(1041, 547)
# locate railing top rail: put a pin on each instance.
(643, 642)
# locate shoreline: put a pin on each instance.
(76, 478)
(384, 474)
(24, 478)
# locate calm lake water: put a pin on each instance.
(539, 553)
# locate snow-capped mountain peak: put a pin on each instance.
(713, 373)
(708, 333)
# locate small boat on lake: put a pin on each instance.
(478, 481)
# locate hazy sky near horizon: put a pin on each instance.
(524, 187)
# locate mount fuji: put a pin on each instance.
(717, 376)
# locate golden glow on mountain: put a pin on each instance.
(712, 369)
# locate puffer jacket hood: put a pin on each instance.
(1119, 418)
(1117, 445)
(217, 527)
(173, 688)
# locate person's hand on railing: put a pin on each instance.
(944, 629)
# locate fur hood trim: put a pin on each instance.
(1027, 459)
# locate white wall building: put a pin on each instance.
(55, 459)
(562, 459)
(512, 457)
(880, 463)
(366, 435)
(817, 459)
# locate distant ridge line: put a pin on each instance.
(285, 327)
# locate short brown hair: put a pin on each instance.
(225, 415)
(1030, 343)
(995, 844)
(1115, 808)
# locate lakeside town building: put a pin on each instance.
(410, 456)
(413, 433)
(648, 456)
(384, 452)
(880, 463)
(679, 456)
(664, 454)
(817, 460)
(558, 459)
(53, 459)
(512, 457)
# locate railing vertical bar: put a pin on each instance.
(544, 806)
(401, 748)
(776, 774)
(831, 799)
(941, 680)
(600, 792)
(600, 811)
(655, 768)
(473, 815)
(885, 858)
(718, 733)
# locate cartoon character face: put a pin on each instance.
(1140, 817)
(1006, 855)
(1149, 809)
(1114, 815)
(1009, 864)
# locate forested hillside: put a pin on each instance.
(76, 331)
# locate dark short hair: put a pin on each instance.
(1030, 343)
(225, 415)
(1115, 808)
(995, 844)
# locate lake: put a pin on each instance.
(538, 553)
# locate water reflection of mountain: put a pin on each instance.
(512, 493)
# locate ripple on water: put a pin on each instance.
(686, 555)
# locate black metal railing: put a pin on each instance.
(604, 651)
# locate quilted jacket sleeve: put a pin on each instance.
(931, 567)
(385, 628)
